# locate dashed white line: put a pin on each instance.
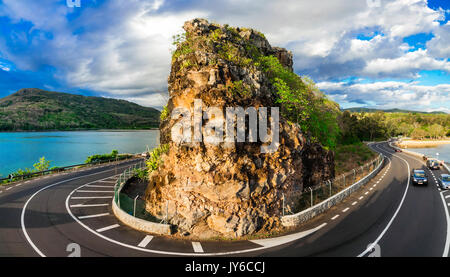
(366, 193)
(448, 196)
(97, 186)
(88, 205)
(197, 247)
(361, 197)
(371, 189)
(145, 241)
(354, 203)
(346, 209)
(92, 216)
(96, 191)
(107, 228)
(91, 197)
(334, 217)
(8, 188)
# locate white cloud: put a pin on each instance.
(390, 94)
(123, 48)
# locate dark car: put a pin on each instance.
(419, 177)
(432, 164)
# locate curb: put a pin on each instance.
(140, 224)
(305, 215)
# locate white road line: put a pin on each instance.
(22, 216)
(94, 186)
(346, 209)
(92, 216)
(88, 205)
(448, 196)
(197, 247)
(366, 193)
(371, 189)
(145, 241)
(91, 197)
(334, 217)
(96, 191)
(106, 181)
(354, 203)
(396, 211)
(361, 197)
(8, 188)
(107, 228)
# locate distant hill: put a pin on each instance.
(36, 110)
(368, 110)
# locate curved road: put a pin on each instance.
(44, 217)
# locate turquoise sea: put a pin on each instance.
(22, 150)
(443, 150)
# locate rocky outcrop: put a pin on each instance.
(229, 189)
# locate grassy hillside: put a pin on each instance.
(368, 110)
(35, 109)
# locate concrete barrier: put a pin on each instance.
(140, 224)
(305, 215)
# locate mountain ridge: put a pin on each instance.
(395, 110)
(34, 109)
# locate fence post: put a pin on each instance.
(312, 200)
(330, 183)
(283, 204)
(134, 210)
(345, 184)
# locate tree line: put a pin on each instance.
(357, 127)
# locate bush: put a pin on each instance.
(102, 158)
(155, 157)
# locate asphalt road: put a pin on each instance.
(46, 217)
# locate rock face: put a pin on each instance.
(230, 189)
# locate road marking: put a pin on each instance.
(107, 228)
(334, 217)
(371, 189)
(96, 186)
(361, 197)
(87, 206)
(377, 240)
(96, 191)
(267, 243)
(106, 181)
(448, 196)
(22, 216)
(354, 203)
(197, 247)
(8, 188)
(366, 193)
(92, 216)
(92, 197)
(346, 209)
(145, 241)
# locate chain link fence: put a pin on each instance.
(132, 206)
(311, 196)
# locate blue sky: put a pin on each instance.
(378, 54)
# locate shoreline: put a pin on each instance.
(82, 130)
(422, 143)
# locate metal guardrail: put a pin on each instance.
(122, 180)
(13, 177)
(311, 196)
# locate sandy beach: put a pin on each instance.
(422, 143)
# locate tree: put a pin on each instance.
(42, 165)
(419, 133)
(436, 131)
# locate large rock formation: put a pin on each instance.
(229, 189)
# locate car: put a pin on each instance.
(444, 181)
(419, 177)
(432, 164)
(398, 150)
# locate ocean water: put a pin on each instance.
(22, 150)
(443, 150)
